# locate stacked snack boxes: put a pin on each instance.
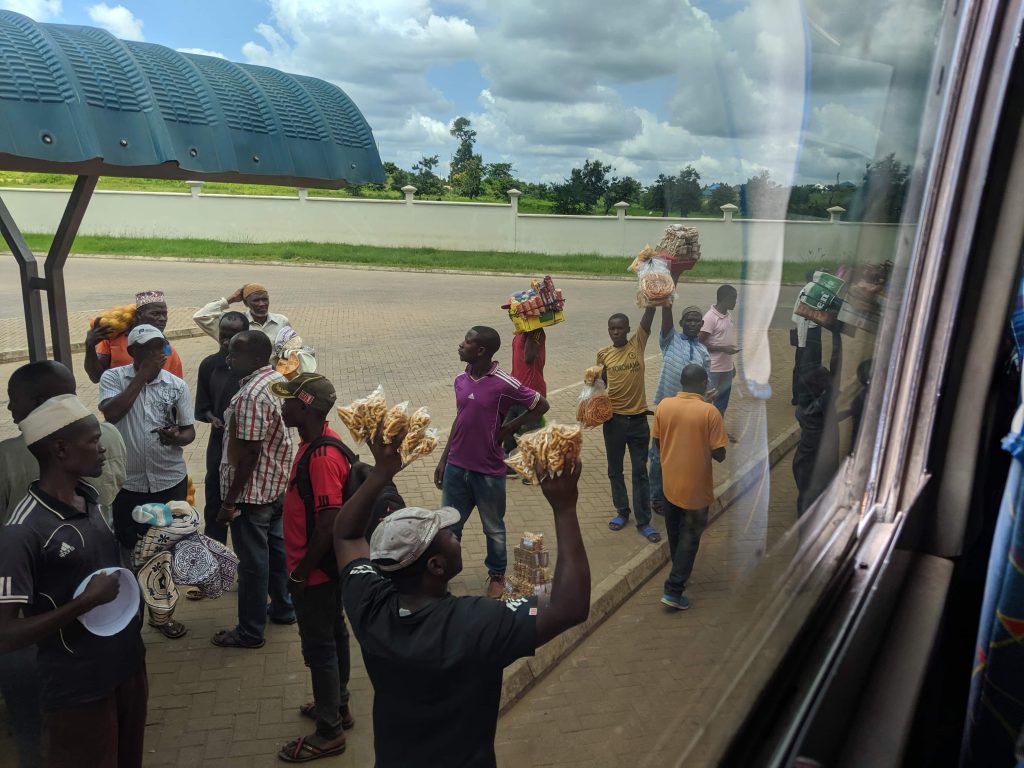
(681, 245)
(539, 306)
(846, 305)
(531, 571)
(819, 300)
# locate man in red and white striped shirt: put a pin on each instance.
(254, 471)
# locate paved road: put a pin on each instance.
(401, 330)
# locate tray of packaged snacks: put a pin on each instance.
(681, 246)
(540, 306)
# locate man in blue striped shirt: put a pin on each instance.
(678, 351)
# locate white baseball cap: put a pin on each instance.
(140, 334)
(402, 536)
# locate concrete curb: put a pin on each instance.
(18, 355)
(612, 591)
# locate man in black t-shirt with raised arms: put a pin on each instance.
(93, 688)
(436, 660)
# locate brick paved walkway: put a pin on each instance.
(402, 330)
(635, 691)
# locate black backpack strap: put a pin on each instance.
(303, 483)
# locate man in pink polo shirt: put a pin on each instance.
(471, 472)
(719, 335)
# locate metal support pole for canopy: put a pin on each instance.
(60, 337)
(53, 270)
(30, 284)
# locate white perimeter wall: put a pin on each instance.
(455, 226)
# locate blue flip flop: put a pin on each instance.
(650, 533)
(618, 522)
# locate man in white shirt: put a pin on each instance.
(257, 303)
(152, 409)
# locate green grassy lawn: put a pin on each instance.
(410, 258)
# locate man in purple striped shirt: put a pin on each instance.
(471, 472)
(256, 461)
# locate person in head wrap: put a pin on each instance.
(678, 350)
(104, 351)
(291, 355)
(257, 303)
(93, 688)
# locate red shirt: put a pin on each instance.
(328, 471)
(530, 375)
(117, 350)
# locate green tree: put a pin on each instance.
(461, 130)
(723, 194)
(468, 180)
(884, 190)
(570, 198)
(760, 194)
(594, 178)
(499, 179)
(661, 195)
(425, 180)
(626, 190)
(688, 194)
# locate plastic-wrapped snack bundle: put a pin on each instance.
(117, 319)
(546, 452)
(395, 421)
(657, 288)
(363, 416)
(595, 407)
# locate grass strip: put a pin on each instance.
(409, 258)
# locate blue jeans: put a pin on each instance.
(723, 383)
(684, 528)
(325, 651)
(654, 475)
(19, 683)
(632, 432)
(258, 536)
(464, 490)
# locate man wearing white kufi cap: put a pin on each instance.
(93, 688)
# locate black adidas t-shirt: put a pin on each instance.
(437, 672)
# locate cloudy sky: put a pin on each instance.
(805, 90)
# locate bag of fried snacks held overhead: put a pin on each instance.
(546, 452)
(417, 444)
(363, 416)
(657, 288)
(117, 319)
(595, 407)
(395, 420)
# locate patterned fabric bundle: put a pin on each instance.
(200, 561)
(158, 589)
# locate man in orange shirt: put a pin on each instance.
(103, 352)
(689, 433)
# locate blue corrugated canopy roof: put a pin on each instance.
(79, 100)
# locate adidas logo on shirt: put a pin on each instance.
(471, 396)
(65, 549)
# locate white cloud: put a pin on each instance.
(117, 20)
(39, 10)
(649, 88)
(202, 52)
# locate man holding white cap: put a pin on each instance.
(152, 409)
(436, 660)
(94, 689)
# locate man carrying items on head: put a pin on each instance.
(93, 688)
(678, 351)
(471, 472)
(435, 660)
(314, 497)
(215, 387)
(253, 477)
(689, 433)
(152, 409)
(529, 353)
(624, 371)
(30, 386)
(103, 352)
(719, 335)
(257, 303)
